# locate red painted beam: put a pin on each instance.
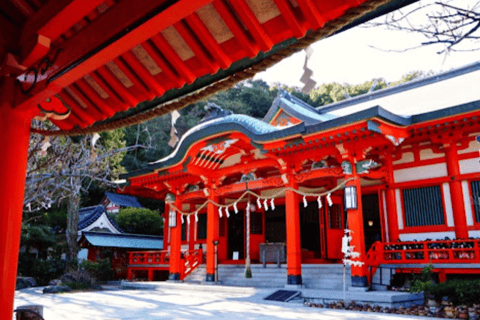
(101, 31)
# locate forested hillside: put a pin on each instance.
(252, 98)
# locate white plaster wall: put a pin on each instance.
(467, 203)
(474, 233)
(420, 173)
(384, 200)
(447, 198)
(82, 255)
(102, 222)
(398, 201)
(469, 165)
(473, 146)
(427, 235)
(426, 154)
(406, 158)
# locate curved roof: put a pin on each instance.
(123, 240)
(102, 58)
(254, 129)
(123, 200)
(88, 215)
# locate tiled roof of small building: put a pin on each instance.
(123, 200)
(88, 215)
(123, 240)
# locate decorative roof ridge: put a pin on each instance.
(417, 83)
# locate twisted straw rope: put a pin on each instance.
(328, 29)
(248, 192)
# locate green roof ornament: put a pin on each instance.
(347, 167)
(248, 177)
(170, 197)
(366, 165)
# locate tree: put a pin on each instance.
(451, 24)
(63, 167)
(140, 221)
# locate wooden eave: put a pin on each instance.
(100, 58)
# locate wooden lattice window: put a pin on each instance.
(423, 206)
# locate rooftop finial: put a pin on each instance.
(214, 111)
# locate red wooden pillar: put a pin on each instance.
(294, 252)
(355, 224)
(150, 274)
(212, 235)
(176, 245)
(14, 138)
(166, 229)
(453, 168)
(191, 229)
(392, 217)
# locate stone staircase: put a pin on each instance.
(315, 276)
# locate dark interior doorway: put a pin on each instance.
(275, 225)
(371, 219)
(236, 235)
(310, 228)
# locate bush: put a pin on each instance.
(101, 270)
(43, 271)
(79, 280)
(140, 221)
(459, 292)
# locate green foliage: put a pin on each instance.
(42, 270)
(40, 237)
(140, 221)
(100, 270)
(459, 292)
(79, 280)
(423, 282)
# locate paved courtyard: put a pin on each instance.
(177, 304)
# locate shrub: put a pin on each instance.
(79, 280)
(101, 270)
(140, 221)
(43, 271)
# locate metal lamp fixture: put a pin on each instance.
(351, 198)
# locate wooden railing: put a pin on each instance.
(148, 258)
(151, 259)
(436, 251)
(191, 260)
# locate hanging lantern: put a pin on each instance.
(351, 198)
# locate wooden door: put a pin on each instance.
(335, 224)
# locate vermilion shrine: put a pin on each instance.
(86, 66)
(399, 164)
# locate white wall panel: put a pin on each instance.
(447, 198)
(420, 173)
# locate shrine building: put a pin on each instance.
(397, 164)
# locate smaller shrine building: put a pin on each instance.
(398, 164)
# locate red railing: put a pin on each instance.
(150, 259)
(191, 259)
(436, 251)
